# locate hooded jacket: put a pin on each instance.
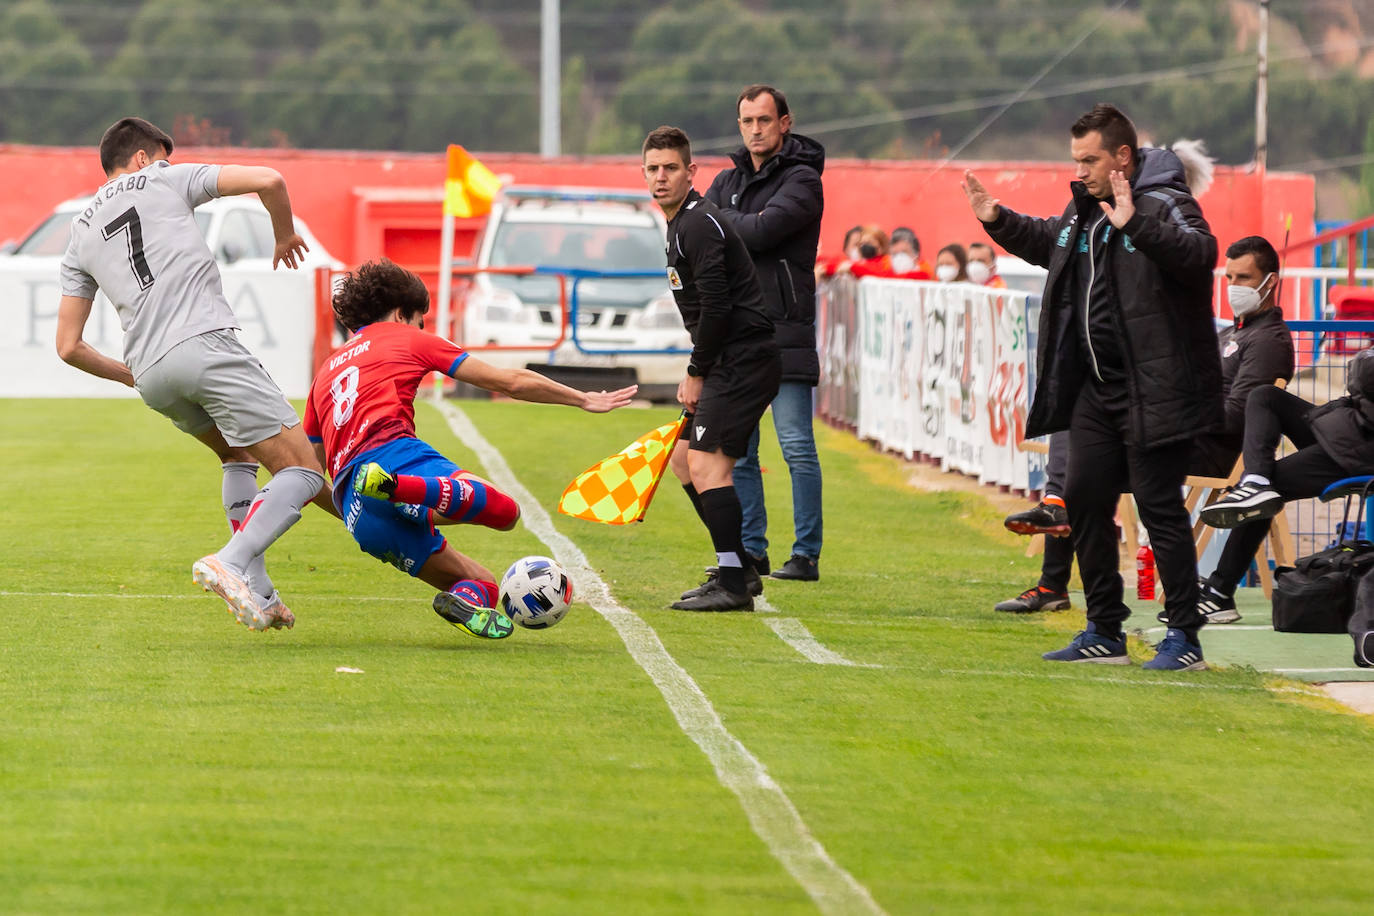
(777, 211)
(1155, 289)
(1344, 427)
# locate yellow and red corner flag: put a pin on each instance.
(617, 490)
(469, 187)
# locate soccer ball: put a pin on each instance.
(536, 592)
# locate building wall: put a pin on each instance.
(365, 204)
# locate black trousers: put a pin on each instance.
(1103, 465)
(1057, 564)
(1270, 414)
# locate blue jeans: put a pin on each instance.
(793, 411)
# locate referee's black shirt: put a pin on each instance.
(713, 281)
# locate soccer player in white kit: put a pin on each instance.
(137, 242)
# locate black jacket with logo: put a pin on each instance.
(713, 282)
(1255, 350)
(1157, 293)
(777, 212)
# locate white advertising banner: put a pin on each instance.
(275, 309)
(943, 372)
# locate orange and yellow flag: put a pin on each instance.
(617, 490)
(470, 186)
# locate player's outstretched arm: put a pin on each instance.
(526, 385)
(270, 187)
(72, 314)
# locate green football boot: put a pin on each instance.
(372, 480)
(482, 622)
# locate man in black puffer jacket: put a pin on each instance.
(773, 198)
(1127, 362)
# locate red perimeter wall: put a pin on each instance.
(364, 204)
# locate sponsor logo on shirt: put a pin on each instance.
(674, 280)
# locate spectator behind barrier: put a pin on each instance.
(848, 254)
(905, 252)
(982, 266)
(951, 264)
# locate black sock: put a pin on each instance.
(720, 510)
(695, 497)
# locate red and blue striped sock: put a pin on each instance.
(461, 499)
(476, 591)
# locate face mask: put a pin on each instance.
(1245, 299)
(868, 251)
(945, 273)
(852, 253)
(978, 272)
(903, 263)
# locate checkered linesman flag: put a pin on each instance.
(617, 490)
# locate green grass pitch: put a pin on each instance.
(155, 757)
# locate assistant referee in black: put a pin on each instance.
(734, 370)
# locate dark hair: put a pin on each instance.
(758, 89)
(1266, 258)
(1116, 129)
(981, 246)
(665, 137)
(375, 290)
(960, 256)
(902, 232)
(127, 136)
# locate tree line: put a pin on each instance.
(876, 78)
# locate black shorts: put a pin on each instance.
(742, 383)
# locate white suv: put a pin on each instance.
(588, 230)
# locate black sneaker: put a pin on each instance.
(1246, 502)
(1364, 648)
(1212, 604)
(800, 568)
(1216, 607)
(760, 564)
(1036, 598)
(752, 582)
(715, 598)
(1046, 518)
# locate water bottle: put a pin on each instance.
(1145, 573)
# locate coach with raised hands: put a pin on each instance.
(1127, 362)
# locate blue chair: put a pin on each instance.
(1348, 489)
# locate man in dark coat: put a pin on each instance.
(773, 199)
(1127, 361)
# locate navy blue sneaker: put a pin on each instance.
(1177, 653)
(1091, 646)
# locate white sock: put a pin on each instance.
(1255, 479)
(239, 489)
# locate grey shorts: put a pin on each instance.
(212, 380)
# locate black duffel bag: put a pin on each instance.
(1317, 594)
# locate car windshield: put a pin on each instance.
(50, 238)
(591, 247)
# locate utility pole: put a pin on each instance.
(550, 79)
(1262, 93)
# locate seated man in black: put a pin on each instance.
(1334, 441)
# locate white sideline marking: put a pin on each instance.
(793, 632)
(771, 813)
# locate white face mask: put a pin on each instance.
(853, 253)
(903, 263)
(1246, 299)
(978, 271)
(946, 273)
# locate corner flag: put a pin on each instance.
(617, 490)
(469, 187)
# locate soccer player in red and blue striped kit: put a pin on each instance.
(391, 488)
